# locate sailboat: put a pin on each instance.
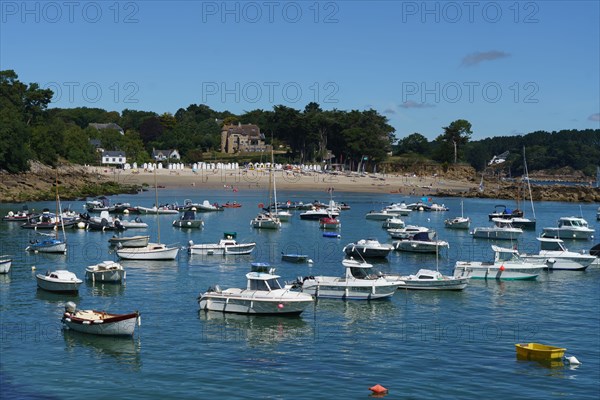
(267, 219)
(52, 243)
(520, 221)
(152, 251)
(461, 222)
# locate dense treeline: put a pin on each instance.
(29, 130)
(579, 150)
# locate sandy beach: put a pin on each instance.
(286, 180)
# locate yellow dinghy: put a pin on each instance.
(539, 352)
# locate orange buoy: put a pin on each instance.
(502, 268)
(378, 389)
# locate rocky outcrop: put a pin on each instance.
(39, 184)
(556, 192)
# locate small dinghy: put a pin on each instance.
(99, 322)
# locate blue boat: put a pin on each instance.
(332, 235)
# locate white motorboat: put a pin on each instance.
(106, 271)
(359, 282)
(316, 214)
(58, 281)
(137, 223)
(5, 263)
(129, 241)
(399, 209)
(427, 279)
(189, 220)
(507, 265)
(263, 295)
(419, 206)
(226, 246)
(570, 228)
(408, 232)
(502, 230)
(370, 248)
(421, 243)
(438, 207)
(522, 222)
(205, 206)
(283, 216)
(382, 215)
(153, 251)
(100, 322)
(393, 223)
(556, 257)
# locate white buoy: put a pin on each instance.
(310, 261)
(33, 267)
(573, 360)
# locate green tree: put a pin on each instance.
(450, 143)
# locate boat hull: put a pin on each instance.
(192, 224)
(477, 270)
(149, 252)
(121, 325)
(266, 224)
(353, 289)
(539, 352)
(5, 266)
(96, 273)
(495, 234)
(568, 234)
(48, 247)
(208, 249)
(137, 241)
(253, 304)
(57, 286)
(415, 246)
(358, 251)
(556, 263)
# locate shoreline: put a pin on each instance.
(284, 180)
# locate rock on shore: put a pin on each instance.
(38, 184)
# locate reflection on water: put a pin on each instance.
(255, 330)
(126, 350)
(106, 289)
(357, 310)
(54, 297)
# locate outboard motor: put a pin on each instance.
(70, 307)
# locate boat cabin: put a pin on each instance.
(262, 278)
(358, 270)
(504, 254)
(572, 221)
(551, 244)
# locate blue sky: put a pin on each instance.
(507, 67)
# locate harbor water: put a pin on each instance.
(418, 344)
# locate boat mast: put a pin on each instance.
(274, 185)
(156, 202)
(58, 213)
(528, 185)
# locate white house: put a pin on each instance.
(113, 158)
(161, 155)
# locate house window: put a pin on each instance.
(113, 160)
(120, 159)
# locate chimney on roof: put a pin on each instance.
(239, 124)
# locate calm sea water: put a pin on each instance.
(418, 344)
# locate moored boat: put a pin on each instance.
(153, 251)
(295, 258)
(427, 279)
(556, 256)
(188, 220)
(129, 241)
(106, 271)
(570, 228)
(100, 322)
(359, 282)
(421, 243)
(393, 223)
(501, 230)
(539, 352)
(263, 295)
(5, 263)
(507, 265)
(370, 248)
(226, 246)
(329, 223)
(59, 281)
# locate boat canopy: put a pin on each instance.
(229, 235)
(553, 244)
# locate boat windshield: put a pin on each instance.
(360, 273)
(508, 256)
(268, 285)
